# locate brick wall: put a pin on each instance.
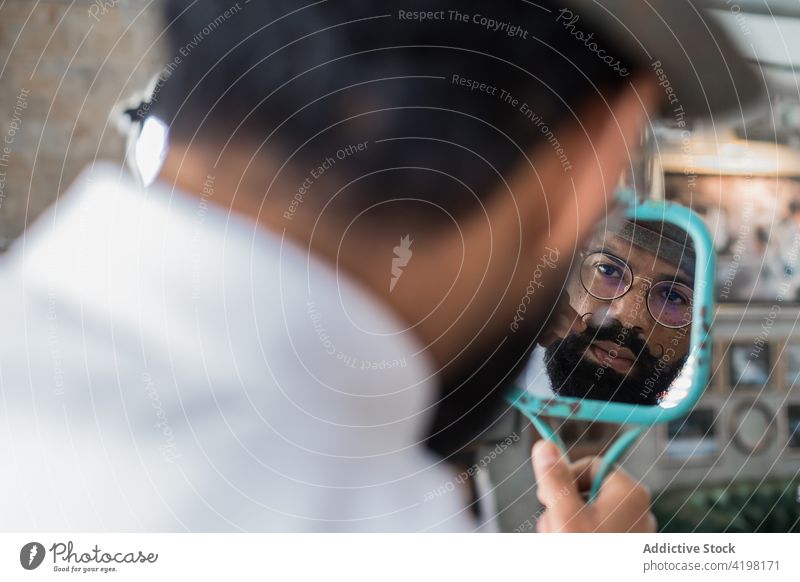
(63, 66)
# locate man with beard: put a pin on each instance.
(308, 312)
(622, 332)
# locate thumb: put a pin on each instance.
(555, 483)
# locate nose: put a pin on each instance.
(631, 309)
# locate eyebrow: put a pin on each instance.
(680, 278)
(677, 277)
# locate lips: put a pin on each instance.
(609, 354)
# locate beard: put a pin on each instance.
(471, 401)
(572, 374)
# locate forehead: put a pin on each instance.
(644, 262)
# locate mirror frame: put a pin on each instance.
(700, 335)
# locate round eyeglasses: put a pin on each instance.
(607, 277)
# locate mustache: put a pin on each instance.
(572, 375)
(622, 336)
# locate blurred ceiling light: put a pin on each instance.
(766, 31)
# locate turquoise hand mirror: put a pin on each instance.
(638, 350)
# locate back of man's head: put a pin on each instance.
(447, 97)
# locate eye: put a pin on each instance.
(675, 296)
(609, 270)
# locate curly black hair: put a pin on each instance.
(449, 95)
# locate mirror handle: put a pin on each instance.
(615, 451)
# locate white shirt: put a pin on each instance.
(168, 366)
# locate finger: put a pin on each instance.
(543, 523)
(649, 524)
(619, 486)
(555, 485)
(623, 504)
(645, 524)
(584, 470)
(622, 493)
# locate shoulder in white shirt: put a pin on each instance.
(168, 366)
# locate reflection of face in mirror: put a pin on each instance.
(625, 335)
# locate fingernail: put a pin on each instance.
(545, 453)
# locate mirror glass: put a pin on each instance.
(621, 330)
